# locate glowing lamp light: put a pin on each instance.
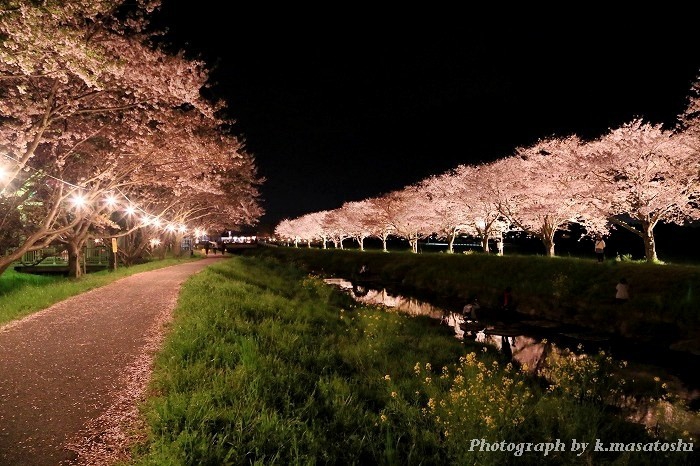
(78, 201)
(110, 201)
(170, 228)
(3, 173)
(156, 222)
(182, 229)
(145, 220)
(130, 210)
(154, 242)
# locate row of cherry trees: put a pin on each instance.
(104, 132)
(633, 177)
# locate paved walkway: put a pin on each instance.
(71, 375)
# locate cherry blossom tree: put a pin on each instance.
(356, 219)
(535, 193)
(643, 174)
(448, 214)
(102, 82)
(408, 212)
(482, 216)
(335, 224)
(377, 220)
(287, 230)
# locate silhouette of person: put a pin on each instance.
(622, 291)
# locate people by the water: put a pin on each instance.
(470, 309)
(622, 291)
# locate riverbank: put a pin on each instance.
(282, 368)
(663, 306)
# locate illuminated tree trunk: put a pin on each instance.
(177, 245)
(547, 237)
(647, 235)
(385, 236)
(413, 241)
(649, 244)
(451, 243)
(74, 248)
(485, 243)
(361, 240)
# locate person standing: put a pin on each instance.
(600, 248)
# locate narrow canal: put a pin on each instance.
(528, 341)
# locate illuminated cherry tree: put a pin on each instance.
(357, 216)
(377, 221)
(408, 212)
(535, 193)
(643, 175)
(74, 78)
(286, 229)
(447, 211)
(483, 217)
(335, 225)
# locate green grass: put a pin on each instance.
(22, 294)
(266, 365)
(574, 290)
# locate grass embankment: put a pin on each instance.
(664, 298)
(266, 365)
(22, 294)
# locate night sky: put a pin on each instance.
(361, 103)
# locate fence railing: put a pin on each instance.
(59, 256)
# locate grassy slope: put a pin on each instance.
(577, 290)
(282, 369)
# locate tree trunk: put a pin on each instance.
(296, 243)
(74, 269)
(451, 243)
(325, 241)
(649, 242)
(177, 246)
(548, 241)
(341, 243)
(361, 240)
(308, 244)
(384, 249)
(485, 243)
(414, 245)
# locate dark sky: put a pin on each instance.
(340, 106)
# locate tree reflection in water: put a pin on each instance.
(531, 351)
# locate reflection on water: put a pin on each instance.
(522, 341)
(527, 351)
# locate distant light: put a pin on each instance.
(170, 228)
(154, 242)
(130, 210)
(182, 229)
(157, 222)
(145, 220)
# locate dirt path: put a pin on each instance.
(71, 375)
